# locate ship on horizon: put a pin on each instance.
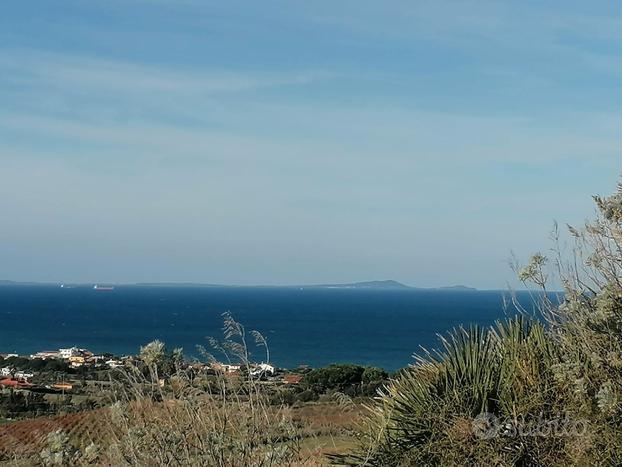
(103, 288)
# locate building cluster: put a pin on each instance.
(256, 370)
(8, 355)
(6, 371)
(75, 356)
(20, 381)
(12, 378)
(15, 379)
(261, 371)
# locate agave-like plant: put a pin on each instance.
(425, 416)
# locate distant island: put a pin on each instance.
(388, 284)
(392, 285)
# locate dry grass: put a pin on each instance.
(27, 438)
(324, 429)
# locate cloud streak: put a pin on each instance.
(62, 70)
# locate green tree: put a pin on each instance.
(333, 377)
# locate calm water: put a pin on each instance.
(310, 326)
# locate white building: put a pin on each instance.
(225, 368)
(46, 354)
(23, 375)
(71, 352)
(263, 369)
(6, 371)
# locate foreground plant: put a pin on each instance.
(229, 422)
(522, 393)
(429, 415)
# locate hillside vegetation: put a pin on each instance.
(526, 392)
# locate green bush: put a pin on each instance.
(372, 374)
(307, 396)
(347, 378)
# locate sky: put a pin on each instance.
(296, 142)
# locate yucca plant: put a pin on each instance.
(519, 371)
(427, 415)
(527, 356)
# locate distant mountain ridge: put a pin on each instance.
(387, 284)
(392, 284)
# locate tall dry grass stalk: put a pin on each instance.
(178, 419)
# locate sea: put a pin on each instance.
(302, 326)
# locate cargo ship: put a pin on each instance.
(103, 288)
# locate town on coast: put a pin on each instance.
(73, 369)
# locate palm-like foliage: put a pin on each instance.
(425, 416)
(519, 371)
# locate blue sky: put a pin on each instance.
(290, 142)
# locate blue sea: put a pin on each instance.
(311, 326)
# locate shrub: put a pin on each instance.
(470, 402)
(373, 374)
(350, 379)
(425, 416)
(307, 396)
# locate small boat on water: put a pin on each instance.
(103, 288)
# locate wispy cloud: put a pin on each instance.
(549, 36)
(40, 68)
